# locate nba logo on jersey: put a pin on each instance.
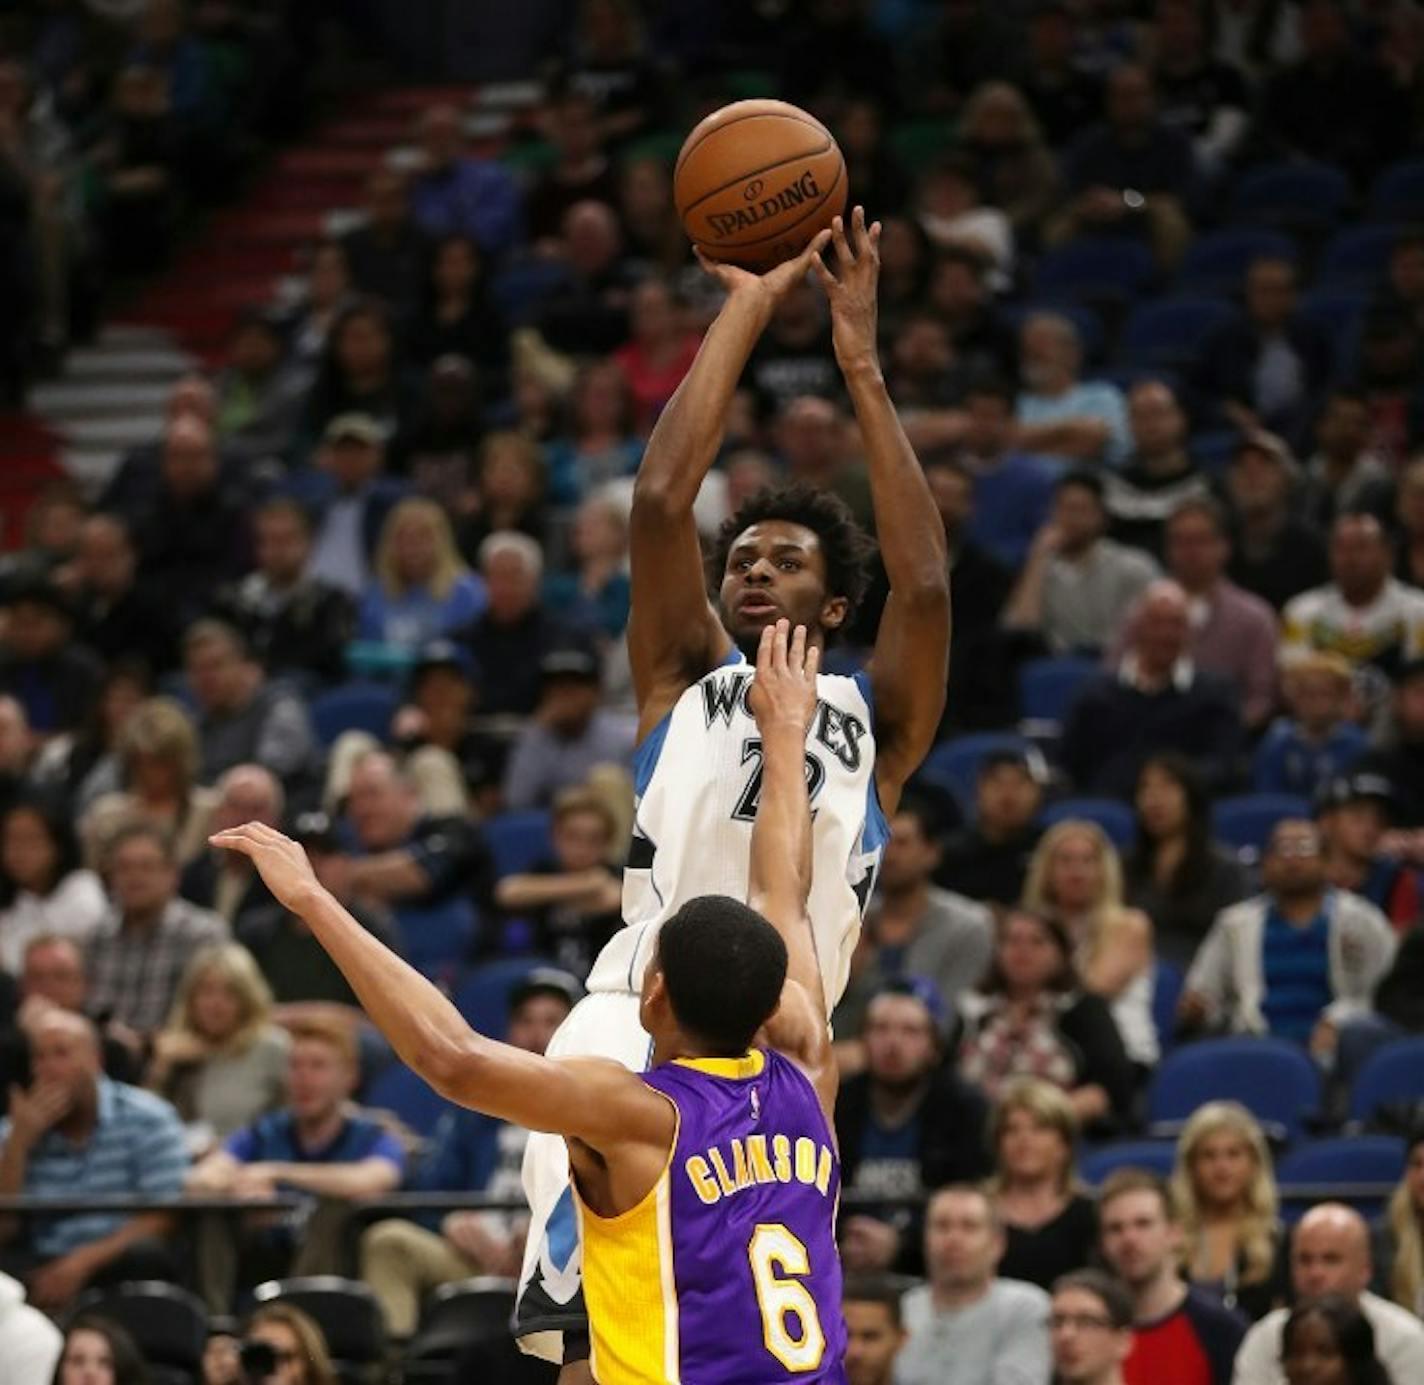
(698, 777)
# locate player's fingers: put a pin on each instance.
(828, 280)
(857, 218)
(838, 236)
(813, 662)
(818, 243)
(778, 645)
(798, 649)
(764, 648)
(875, 235)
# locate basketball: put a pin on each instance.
(756, 181)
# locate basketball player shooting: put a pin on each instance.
(706, 1187)
(699, 771)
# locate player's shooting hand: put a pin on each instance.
(775, 282)
(281, 863)
(852, 288)
(783, 693)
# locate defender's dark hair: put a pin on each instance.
(724, 966)
(847, 548)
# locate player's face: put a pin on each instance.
(1086, 1345)
(776, 569)
(872, 1339)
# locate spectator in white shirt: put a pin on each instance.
(44, 887)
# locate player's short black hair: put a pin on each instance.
(723, 966)
(847, 548)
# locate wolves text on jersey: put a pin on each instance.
(839, 731)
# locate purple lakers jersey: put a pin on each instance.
(726, 1273)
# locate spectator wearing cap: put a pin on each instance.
(569, 735)
(1298, 960)
(571, 899)
(116, 614)
(1233, 633)
(1354, 812)
(914, 928)
(421, 589)
(1155, 699)
(403, 1261)
(144, 944)
(1274, 553)
(1158, 475)
(297, 625)
(906, 1125)
(429, 872)
(1269, 368)
(509, 640)
(456, 192)
(1077, 586)
(1317, 740)
(258, 401)
(243, 717)
(1059, 413)
(53, 679)
(1399, 756)
(988, 860)
(1363, 613)
(192, 536)
(351, 497)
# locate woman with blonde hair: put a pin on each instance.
(220, 1060)
(299, 1350)
(1016, 170)
(1225, 1191)
(422, 590)
(1075, 873)
(1404, 1231)
(1050, 1226)
(158, 759)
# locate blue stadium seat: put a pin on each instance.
(1213, 450)
(1114, 817)
(520, 289)
(1336, 312)
(1047, 687)
(354, 707)
(1246, 822)
(1167, 983)
(1346, 1160)
(1398, 193)
(482, 995)
(1158, 1156)
(347, 1311)
(1095, 268)
(1356, 257)
(439, 937)
(517, 840)
(1170, 332)
(1088, 323)
(396, 1088)
(1297, 196)
(1217, 263)
(955, 763)
(1275, 1080)
(1394, 1072)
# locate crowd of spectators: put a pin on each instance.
(370, 583)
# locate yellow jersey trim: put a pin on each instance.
(751, 1064)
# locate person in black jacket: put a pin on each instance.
(906, 1126)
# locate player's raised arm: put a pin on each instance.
(783, 700)
(911, 662)
(593, 1100)
(674, 635)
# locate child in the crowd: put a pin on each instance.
(1318, 740)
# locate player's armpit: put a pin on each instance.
(798, 1031)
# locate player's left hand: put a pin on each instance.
(852, 288)
(783, 693)
(281, 863)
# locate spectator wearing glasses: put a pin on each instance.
(1298, 960)
(1089, 1329)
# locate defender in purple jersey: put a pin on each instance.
(706, 1187)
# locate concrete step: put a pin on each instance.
(90, 467)
(75, 399)
(116, 434)
(152, 364)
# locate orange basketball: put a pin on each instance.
(756, 180)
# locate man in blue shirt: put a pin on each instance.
(76, 1133)
(402, 1260)
(316, 1144)
(456, 194)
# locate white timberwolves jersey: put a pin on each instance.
(698, 778)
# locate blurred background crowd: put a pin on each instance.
(324, 394)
